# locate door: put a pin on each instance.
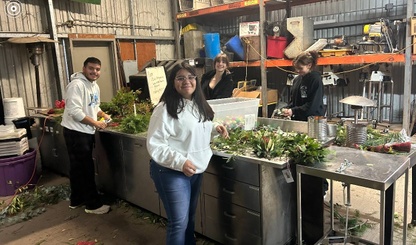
(104, 51)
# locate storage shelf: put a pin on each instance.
(243, 5)
(342, 60)
(240, 7)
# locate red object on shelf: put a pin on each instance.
(276, 46)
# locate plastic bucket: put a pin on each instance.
(234, 45)
(13, 108)
(276, 46)
(17, 171)
(212, 44)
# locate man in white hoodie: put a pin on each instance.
(82, 110)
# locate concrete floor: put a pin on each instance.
(59, 225)
(367, 202)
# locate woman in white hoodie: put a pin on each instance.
(178, 141)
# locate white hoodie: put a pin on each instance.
(170, 142)
(82, 99)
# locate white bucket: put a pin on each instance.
(13, 108)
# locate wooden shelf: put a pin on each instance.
(342, 60)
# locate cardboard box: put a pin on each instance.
(414, 44)
(249, 29)
(413, 26)
(271, 94)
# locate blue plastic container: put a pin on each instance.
(234, 45)
(212, 44)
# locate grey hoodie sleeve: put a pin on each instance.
(74, 101)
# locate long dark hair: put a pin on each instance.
(174, 101)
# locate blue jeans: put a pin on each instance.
(179, 195)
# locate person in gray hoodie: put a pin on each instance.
(79, 122)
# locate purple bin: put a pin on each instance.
(17, 171)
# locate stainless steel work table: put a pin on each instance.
(369, 169)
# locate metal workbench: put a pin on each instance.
(369, 169)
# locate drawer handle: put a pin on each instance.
(227, 191)
(253, 213)
(227, 167)
(254, 188)
(230, 238)
(229, 215)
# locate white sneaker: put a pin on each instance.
(101, 210)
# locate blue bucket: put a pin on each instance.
(212, 44)
(234, 45)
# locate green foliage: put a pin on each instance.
(121, 109)
(30, 203)
(375, 138)
(237, 143)
(110, 108)
(341, 137)
(121, 104)
(302, 149)
(134, 124)
(268, 142)
(356, 226)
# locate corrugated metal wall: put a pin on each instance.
(152, 18)
(17, 75)
(348, 17)
(127, 19)
(31, 20)
(340, 17)
(145, 18)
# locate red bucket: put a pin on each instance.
(276, 46)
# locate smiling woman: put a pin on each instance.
(185, 83)
(218, 83)
(178, 141)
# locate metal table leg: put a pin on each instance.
(382, 215)
(413, 197)
(389, 214)
(406, 190)
(331, 203)
(299, 205)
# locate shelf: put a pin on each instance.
(342, 60)
(240, 7)
(243, 5)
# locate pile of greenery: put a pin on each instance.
(121, 109)
(30, 203)
(268, 142)
(391, 142)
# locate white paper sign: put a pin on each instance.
(249, 121)
(156, 79)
